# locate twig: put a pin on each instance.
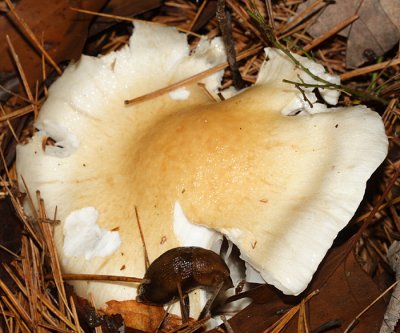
(330, 33)
(228, 326)
(20, 69)
(271, 21)
(11, 128)
(284, 320)
(357, 318)
(369, 69)
(75, 314)
(18, 113)
(316, 6)
(96, 277)
(16, 256)
(31, 36)
(327, 326)
(3, 160)
(32, 233)
(16, 305)
(224, 18)
(146, 255)
(199, 12)
(255, 14)
(128, 19)
(53, 256)
(189, 80)
(10, 92)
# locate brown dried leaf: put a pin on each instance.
(345, 290)
(141, 316)
(349, 291)
(375, 32)
(64, 32)
(137, 315)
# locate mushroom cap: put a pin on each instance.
(280, 187)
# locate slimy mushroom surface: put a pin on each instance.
(278, 177)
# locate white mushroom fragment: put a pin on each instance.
(280, 187)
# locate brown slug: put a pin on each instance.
(187, 268)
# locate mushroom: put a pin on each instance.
(277, 175)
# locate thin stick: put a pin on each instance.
(244, 16)
(282, 322)
(44, 74)
(20, 310)
(128, 19)
(200, 10)
(330, 33)
(32, 36)
(54, 259)
(369, 69)
(184, 309)
(227, 325)
(28, 277)
(18, 113)
(30, 199)
(206, 309)
(4, 317)
(21, 214)
(189, 80)
(207, 92)
(356, 319)
(111, 16)
(3, 159)
(98, 277)
(10, 126)
(224, 19)
(392, 202)
(20, 69)
(146, 255)
(271, 21)
(16, 256)
(8, 91)
(75, 314)
(317, 5)
(19, 322)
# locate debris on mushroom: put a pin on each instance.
(83, 237)
(278, 175)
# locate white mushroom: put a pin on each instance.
(280, 187)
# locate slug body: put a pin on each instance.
(187, 268)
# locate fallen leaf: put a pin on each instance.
(348, 292)
(64, 33)
(141, 316)
(137, 315)
(64, 38)
(345, 290)
(375, 32)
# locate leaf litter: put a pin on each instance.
(376, 31)
(353, 274)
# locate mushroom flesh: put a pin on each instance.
(278, 175)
